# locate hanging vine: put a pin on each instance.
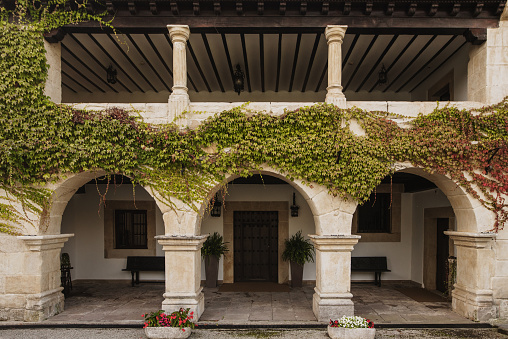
(41, 141)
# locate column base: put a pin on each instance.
(31, 307)
(178, 103)
(476, 305)
(196, 303)
(328, 306)
(336, 99)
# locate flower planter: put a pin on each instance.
(351, 333)
(167, 332)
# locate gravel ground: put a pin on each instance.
(243, 334)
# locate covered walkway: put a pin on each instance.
(99, 301)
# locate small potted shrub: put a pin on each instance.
(212, 249)
(352, 327)
(297, 251)
(166, 326)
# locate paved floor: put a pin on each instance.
(118, 302)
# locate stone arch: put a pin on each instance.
(470, 214)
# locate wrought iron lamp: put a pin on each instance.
(217, 207)
(111, 72)
(383, 77)
(238, 79)
(294, 208)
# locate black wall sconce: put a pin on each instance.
(111, 72)
(294, 207)
(238, 78)
(217, 207)
(383, 77)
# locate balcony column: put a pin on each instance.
(332, 297)
(53, 87)
(179, 98)
(334, 36)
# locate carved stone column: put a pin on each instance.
(31, 276)
(332, 297)
(179, 98)
(472, 296)
(334, 35)
(183, 273)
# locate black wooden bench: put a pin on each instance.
(146, 263)
(370, 264)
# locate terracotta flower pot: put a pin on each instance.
(167, 332)
(351, 333)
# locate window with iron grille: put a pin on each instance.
(130, 229)
(375, 216)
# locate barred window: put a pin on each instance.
(375, 216)
(130, 229)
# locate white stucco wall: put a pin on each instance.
(85, 218)
(421, 201)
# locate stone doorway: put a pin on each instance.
(256, 245)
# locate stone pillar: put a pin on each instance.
(183, 273)
(334, 35)
(472, 295)
(53, 88)
(332, 297)
(30, 277)
(179, 98)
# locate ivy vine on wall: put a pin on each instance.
(41, 141)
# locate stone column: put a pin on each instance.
(30, 276)
(334, 35)
(179, 98)
(53, 88)
(472, 296)
(332, 297)
(183, 273)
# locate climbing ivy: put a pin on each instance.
(41, 142)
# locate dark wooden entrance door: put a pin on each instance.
(256, 245)
(442, 254)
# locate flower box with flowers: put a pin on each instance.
(351, 327)
(159, 325)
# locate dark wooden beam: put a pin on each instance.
(55, 35)
(94, 58)
(246, 61)
(476, 36)
(427, 63)
(279, 59)
(196, 62)
(295, 61)
(401, 53)
(113, 60)
(75, 81)
(438, 67)
(311, 61)
(372, 42)
(322, 77)
(262, 61)
(148, 62)
(69, 87)
(101, 78)
(161, 59)
(378, 61)
(228, 58)
(411, 62)
(131, 62)
(82, 75)
(348, 54)
(212, 61)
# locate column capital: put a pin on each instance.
(335, 33)
(181, 243)
(179, 33)
(469, 239)
(334, 243)
(38, 243)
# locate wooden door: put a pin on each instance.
(255, 245)
(442, 254)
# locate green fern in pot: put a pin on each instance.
(298, 251)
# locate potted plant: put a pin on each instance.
(211, 252)
(298, 251)
(175, 325)
(352, 327)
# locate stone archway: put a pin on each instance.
(472, 296)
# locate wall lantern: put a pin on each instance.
(294, 207)
(238, 79)
(217, 207)
(383, 77)
(111, 75)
